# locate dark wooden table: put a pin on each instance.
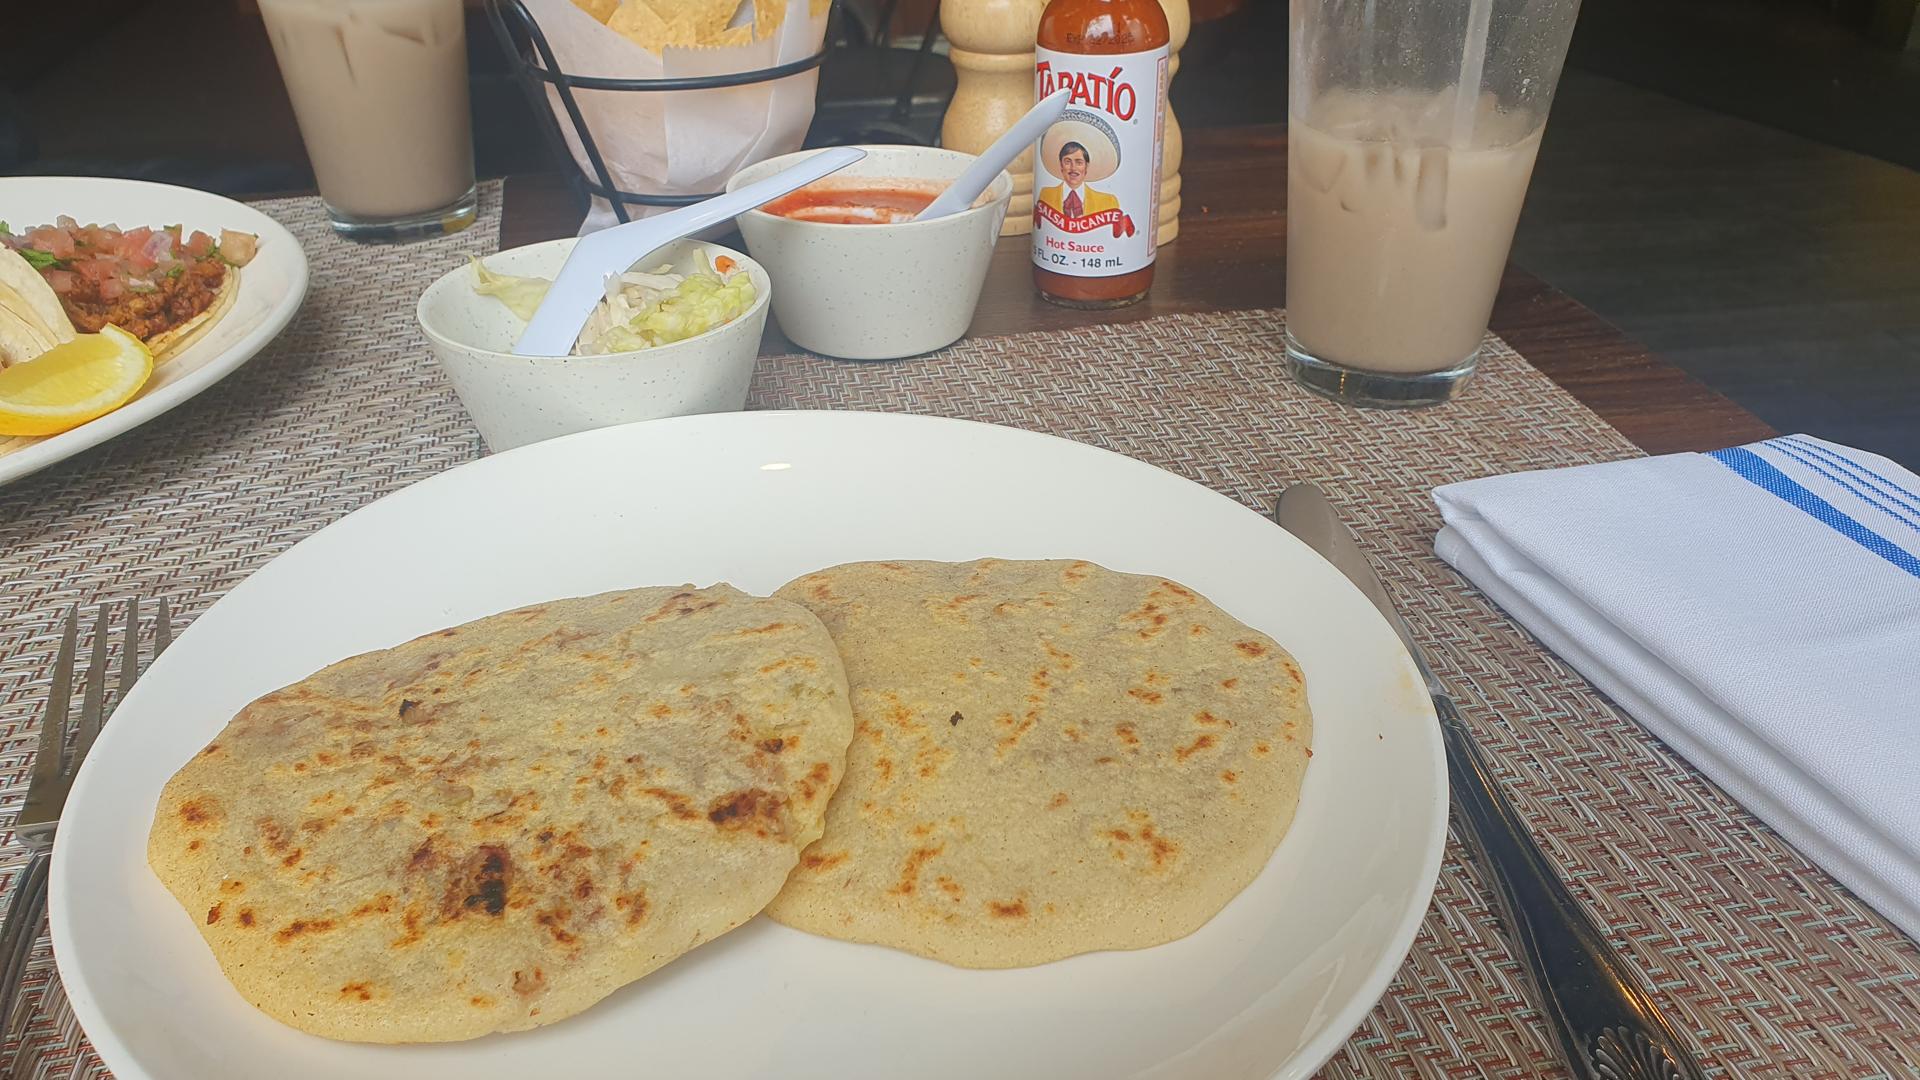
(1232, 254)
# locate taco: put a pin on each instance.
(22, 337)
(31, 318)
(171, 343)
(163, 286)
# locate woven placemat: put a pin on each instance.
(1777, 971)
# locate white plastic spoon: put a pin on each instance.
(582, 282)
(1021, 136)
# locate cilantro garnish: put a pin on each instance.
(39, 260)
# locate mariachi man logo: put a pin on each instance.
(1074, 205)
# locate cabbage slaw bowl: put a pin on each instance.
(515, 400)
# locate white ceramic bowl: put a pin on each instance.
(515, 400)
(878, 292)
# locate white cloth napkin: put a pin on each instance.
(1756, 608)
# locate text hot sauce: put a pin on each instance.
(1096, 178)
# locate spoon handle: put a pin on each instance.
(582, 280)
(1023, 134)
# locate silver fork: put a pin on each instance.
(53, 769)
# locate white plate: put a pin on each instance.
(1271, 986)
(271, 288)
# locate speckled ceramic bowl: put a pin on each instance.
(878, 292)
(515, 400)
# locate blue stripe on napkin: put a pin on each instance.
(1757, 471)
(1907, 501)
(1843, 481)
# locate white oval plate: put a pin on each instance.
(271, 288)
(1270, 987)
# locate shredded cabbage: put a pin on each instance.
(641, 309)
(522, 295)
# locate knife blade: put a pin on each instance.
(1607, 1026)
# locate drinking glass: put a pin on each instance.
(380, 90)
(1412, 127)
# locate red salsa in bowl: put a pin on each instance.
(862, 202)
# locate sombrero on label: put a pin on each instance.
(1091, 132)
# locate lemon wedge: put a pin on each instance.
(72, 383)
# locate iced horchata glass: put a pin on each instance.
(380, 90)
(1412, 127)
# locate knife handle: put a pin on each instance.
(1607, 1025)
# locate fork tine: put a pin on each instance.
(94, 696)
(92, 713)
(163, 632)
(22, 927)
(47, 757)
(129, 652)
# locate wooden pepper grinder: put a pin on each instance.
(1179, 22)
(991, 46)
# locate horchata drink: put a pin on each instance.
(380, 90)
(1410, 143)
(1399, 238)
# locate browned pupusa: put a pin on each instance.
(496, 825)
(1049, 758)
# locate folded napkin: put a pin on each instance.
(1756, 608)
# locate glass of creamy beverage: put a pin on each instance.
(380, 90)
(1411, 132)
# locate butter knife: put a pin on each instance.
(1607, 1026)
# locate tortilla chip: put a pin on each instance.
(767, 17)
(720, 18)
(683, 31)
(817, 8)
(601, 10)
(703, 20)
(737, 35)
(641, 25)
(687, 23)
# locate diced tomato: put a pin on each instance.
(60, 280)
(199, 245)
(55, 242)
(112, 289)
(95, 269)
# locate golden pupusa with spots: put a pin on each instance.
(494, 826)
(1049, 758)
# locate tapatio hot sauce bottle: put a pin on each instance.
(1096, 179)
